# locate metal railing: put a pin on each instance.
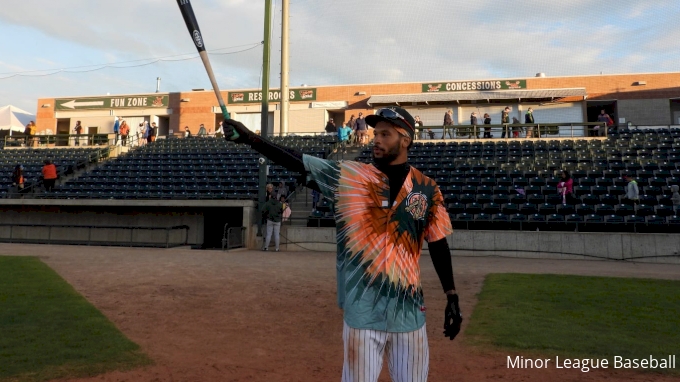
(49, 239)
(32, 188)
(519, 130)
(71, 140)
(233, 237)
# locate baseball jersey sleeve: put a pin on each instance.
(438, 222)
(324, 172)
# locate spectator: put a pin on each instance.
(448, 124)
(187, 133)
(362, 130)
(152, 133)
(78, 129)
(144, 131)
(352, 123)
(603, 117)
(124, 132)
(529, 119)
(487, 121)
(516, 130)
(27, 134)
(505, 120)
(565, 187)
(219, 132)
(632, 191)
(286, 209)
(201, 131)
(18, 179)
(473, 122)
(343, 136)
(49, 174)
(315, 199)
(116, 130)
(676, 197)
(269, 191)
(330, 127)
(419, 127)
(282, 190)
(32, 130)
(272, 212)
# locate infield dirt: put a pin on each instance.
(264, 316)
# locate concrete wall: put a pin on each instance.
(98, 217)
(645, 111)
(656, 248)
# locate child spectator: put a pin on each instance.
(565, 187)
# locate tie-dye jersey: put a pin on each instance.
(379, 245)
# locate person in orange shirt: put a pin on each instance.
(49, 173)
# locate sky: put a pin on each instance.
(331, 43)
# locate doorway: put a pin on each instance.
(163, 126)
(675, 111)
(63, 128)
(338, 117)
(593, 109)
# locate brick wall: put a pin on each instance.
(198, 110)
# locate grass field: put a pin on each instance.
(50, 331)
(576, 316)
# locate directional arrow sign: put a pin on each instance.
(73, 104)
(142, 101)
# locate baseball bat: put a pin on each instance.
(195, 32)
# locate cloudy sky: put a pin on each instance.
(331, 42)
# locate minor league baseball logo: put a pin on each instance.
(416, 205)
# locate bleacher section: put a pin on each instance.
(195, 168)
(481, 181)
(66, 160)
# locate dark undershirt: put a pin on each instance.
(292, 160)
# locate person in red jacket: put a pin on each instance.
(565, 187)
(49, 173)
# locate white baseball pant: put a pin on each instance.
(408, 355)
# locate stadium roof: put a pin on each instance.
(520, 95)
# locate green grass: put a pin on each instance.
(48, 330)
(576, 316)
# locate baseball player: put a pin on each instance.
(383, 211)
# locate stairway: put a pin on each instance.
(301, 207)
(351, 154)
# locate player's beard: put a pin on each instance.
(389, 155)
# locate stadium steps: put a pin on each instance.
(113, 154)
(301, 208)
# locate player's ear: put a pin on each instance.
(405, 142)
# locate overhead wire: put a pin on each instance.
(115, 65)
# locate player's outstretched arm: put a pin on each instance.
(284, 156)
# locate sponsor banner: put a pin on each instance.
(306, 94)
(113, 102)
(464, 86)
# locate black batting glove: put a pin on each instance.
(452, 317)
(235, 131)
